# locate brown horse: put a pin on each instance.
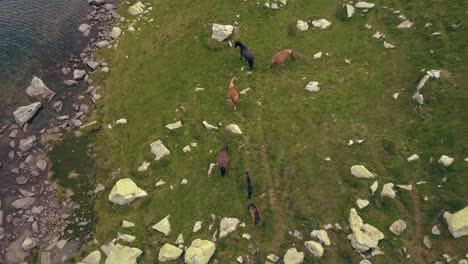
(232, 93)
(280, 57)
(255, 214)
(223, 160)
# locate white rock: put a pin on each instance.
(163, 226)
(93, 257)
(28, 243)
(318, 55)
(160, 183)
(364, 236)
(208, 126)
(302, 25)
(200, 252)
(126, 237)
(136, 9)
(365, 261)
(446, 160)
(174, 125)
(364, 5)
(78, 74)
(102, 44)
(388, 191)
(388, 45)
(435, 230)
(322, 236)
(38, 89)
(457, 222)
(123, 254)
(210, 169)
(179, 240)
(246, 236)
(398, 227)
(378, 35)
(158, 149)
(169, 252)
(312, 87)
(184, 181)
(115, 33)
(221, 32)
(349, 10)
(434, 73)
(227, 226)
(395, 95)
(144, 166)
(121, 121)
(234, 129)
(413, 157)
(127, 224)
(321, 23)
(273, 258)
(407, 187)
(125, 191)
(24, 113)
(314, 248)
(361, 172)
(187, 149)
(292, 256)
(405, 24)
(361, 203)
(197, 226)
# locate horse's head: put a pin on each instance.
(237, 44)
(234, 79)
(291, 53)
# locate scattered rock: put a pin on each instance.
(125, 191)
(199, 252)
(427, 242)
(446, 160)
(321, 23)
(174, 125)
(115, 33)
(83, 28)
(221, 32)
(99, 188)
(169, 252)
(29, 243)
(121, 121)
(405, 24)
(234, 129)
(78, 74)
(27, 143)
(136, 9)
(407, 187)
(273, 258)
(70, 82)
(158, 149)
(126, 237)
(349, 10)
(208, 126)
(361, 172)
(435, 230)
(24, 113)
(144, 166)
(163, 226)
(374, 187)
(413, 157)
(318, 55)
(302, 25)
(312, 87)
(123, 254)
(322, 236)
(457, 222)
(388, 191)
(292, 256)
(38, 89)
(227, 226)
(23, 203)
(314, 248)
(364, 236)
(388, 45)
(398, 227)
(102, 44)
(127, 224)
(246, 236)
(240, 259)
(93, 64)
(364, 5)
(179, 240)
(160, 183)
(93, 258)
(197, 226)
(361, 203)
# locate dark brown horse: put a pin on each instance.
(255, 214)
(245, 53)
(249, 185)
(223, 160)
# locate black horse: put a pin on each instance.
(245, 52)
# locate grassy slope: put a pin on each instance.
(287, 139)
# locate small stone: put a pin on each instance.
(23, 203)
(121, 121)
(388, 191)
(413, 157)
(405, 24)
(126, 237)
(321, 23)
(361, 172)
(102, 44)
(163, 226)
(125, 191)
(144, 166)
(78, 74)
(115, 33)
(435, 230)
(246, 236)
(273, 258)
(349, 10)
(221, 32)
(395, 95)
(318, 55)
(61, 243)
(388, 45)
(179, 240)
(127, 224)
(159, 150)
(159, 183)
(93, 64)
(24, 113)
(184, 181)
(302, 25)
(28, 244)
(93, 257)
(446, 160)
(227, 226)
(174, 125)
(364, 5)
(292, 256)
(322, 236)
(199, 252)
(398, 227)
(374, 187)
(314, 248)
(169, 252)
(427, 242)
(361, 203)
(240, 259)
(312, 87)
(197, 226)
(208, 126)
(407, 187)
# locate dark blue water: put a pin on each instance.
(34, 36)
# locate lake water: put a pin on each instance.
(35, 35)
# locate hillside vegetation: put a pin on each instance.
(288, 132)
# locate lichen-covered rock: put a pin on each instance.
(93, 257)
(364, 236)
(123, 255)
(221, 32)
(457, 222)
(388, 191)
(292, 256)
(158, 149)
(38, 89)
(227, 226)
(314, 248)
(361, 172)
(163, 226)
(125, 191)
(199, 252)
(322, 236)
(137, 9)
(29, 243)
(398, 227)
(169, 252)
(24, 113)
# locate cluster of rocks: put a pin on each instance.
(321, 23)
(275, 4)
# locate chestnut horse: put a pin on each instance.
(223, 160)
(280, 57)
(232, 93)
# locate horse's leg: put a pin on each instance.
(240, 54)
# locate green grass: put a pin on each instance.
(286, 140)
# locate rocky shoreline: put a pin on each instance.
(31, 215)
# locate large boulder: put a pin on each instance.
(163, 226)
(314, 248)
(169, 252)
(24, 113)
(227, 226)
(93, 258)
(398, 227)
(125, 191)
(137, 9)
(38, 89)
(199, 252)
(123, 255)
(292, 256)
(361, 172)
(364, 236)
(221, 32)
(158, 149)
(457, 222)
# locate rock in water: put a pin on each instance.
(361, 172)
(322, 236)
(199, 252)
(125, 191)
(302, 25)
(27, 143)
(292, 256)
(312, 87)
(158, 149)
(163, 226)
(364, 236)
(314, 248)
(169, 252)
(227, 226)
(93, 257)
(83, 28)
(364, 5)
(388, 191)
(398, 227)
(123, 255)
(136, 9)
(234, 129)
(221, 32)
(24, 113)
(446, 160)
(321, 23)
(38, 89)
(349, 10)
(457, 222)
(115, 33)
